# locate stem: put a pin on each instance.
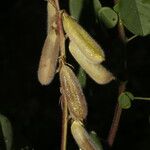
(116, 1)
(62, 37)
(142, 98)
(60, 30)
(131, 38)
(116, 119)
(118, 110)
(64, 123)
(62, 98)
(121, 32)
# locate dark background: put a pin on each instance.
(35, 111)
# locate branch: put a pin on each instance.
(62, 98)
(64, 123)
(116, 119)
(122, 87)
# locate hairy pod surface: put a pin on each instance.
(50, 51)
(83, 40)
(73, 93)
(96, 71)
(48, 60)
(82, 137)
(52, 15)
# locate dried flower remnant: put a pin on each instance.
(83, 40)
(96, 71)
(81, 136)
(72, 92)
(50, 51)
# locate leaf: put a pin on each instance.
(96, 139)
(75, 8)
(82, 77)
(124, 101)
(135, 15)
(130, 95)
(116, 7)
(108, 16)
(7, 131)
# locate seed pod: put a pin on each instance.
(73, 93)
(96, 71)
(83, 40)
(52, 15)
(81, 136)
(50, 51)
(48, 60)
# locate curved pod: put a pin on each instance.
(96, 71)
(83, 40)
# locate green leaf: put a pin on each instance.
(97, 6)
(135, 15)
(82, 77)
(124, 101)
(7, 131)
(130, 95)
(116, 7)
(108, 16)
(96, 139)
(75, 8)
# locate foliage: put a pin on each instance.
(135, 15)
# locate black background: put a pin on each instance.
(35, 111)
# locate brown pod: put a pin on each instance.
(96, 71)
(73, 93)
(50, 51)
(81, 136)
(52, 15)
(48, 60)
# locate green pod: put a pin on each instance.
(89, 47)
(96, 71)
(108, 16)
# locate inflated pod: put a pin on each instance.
(52, 15)
(50, 51)
(96, 71)
(72, 92)
(82, 138)
(83, 40)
